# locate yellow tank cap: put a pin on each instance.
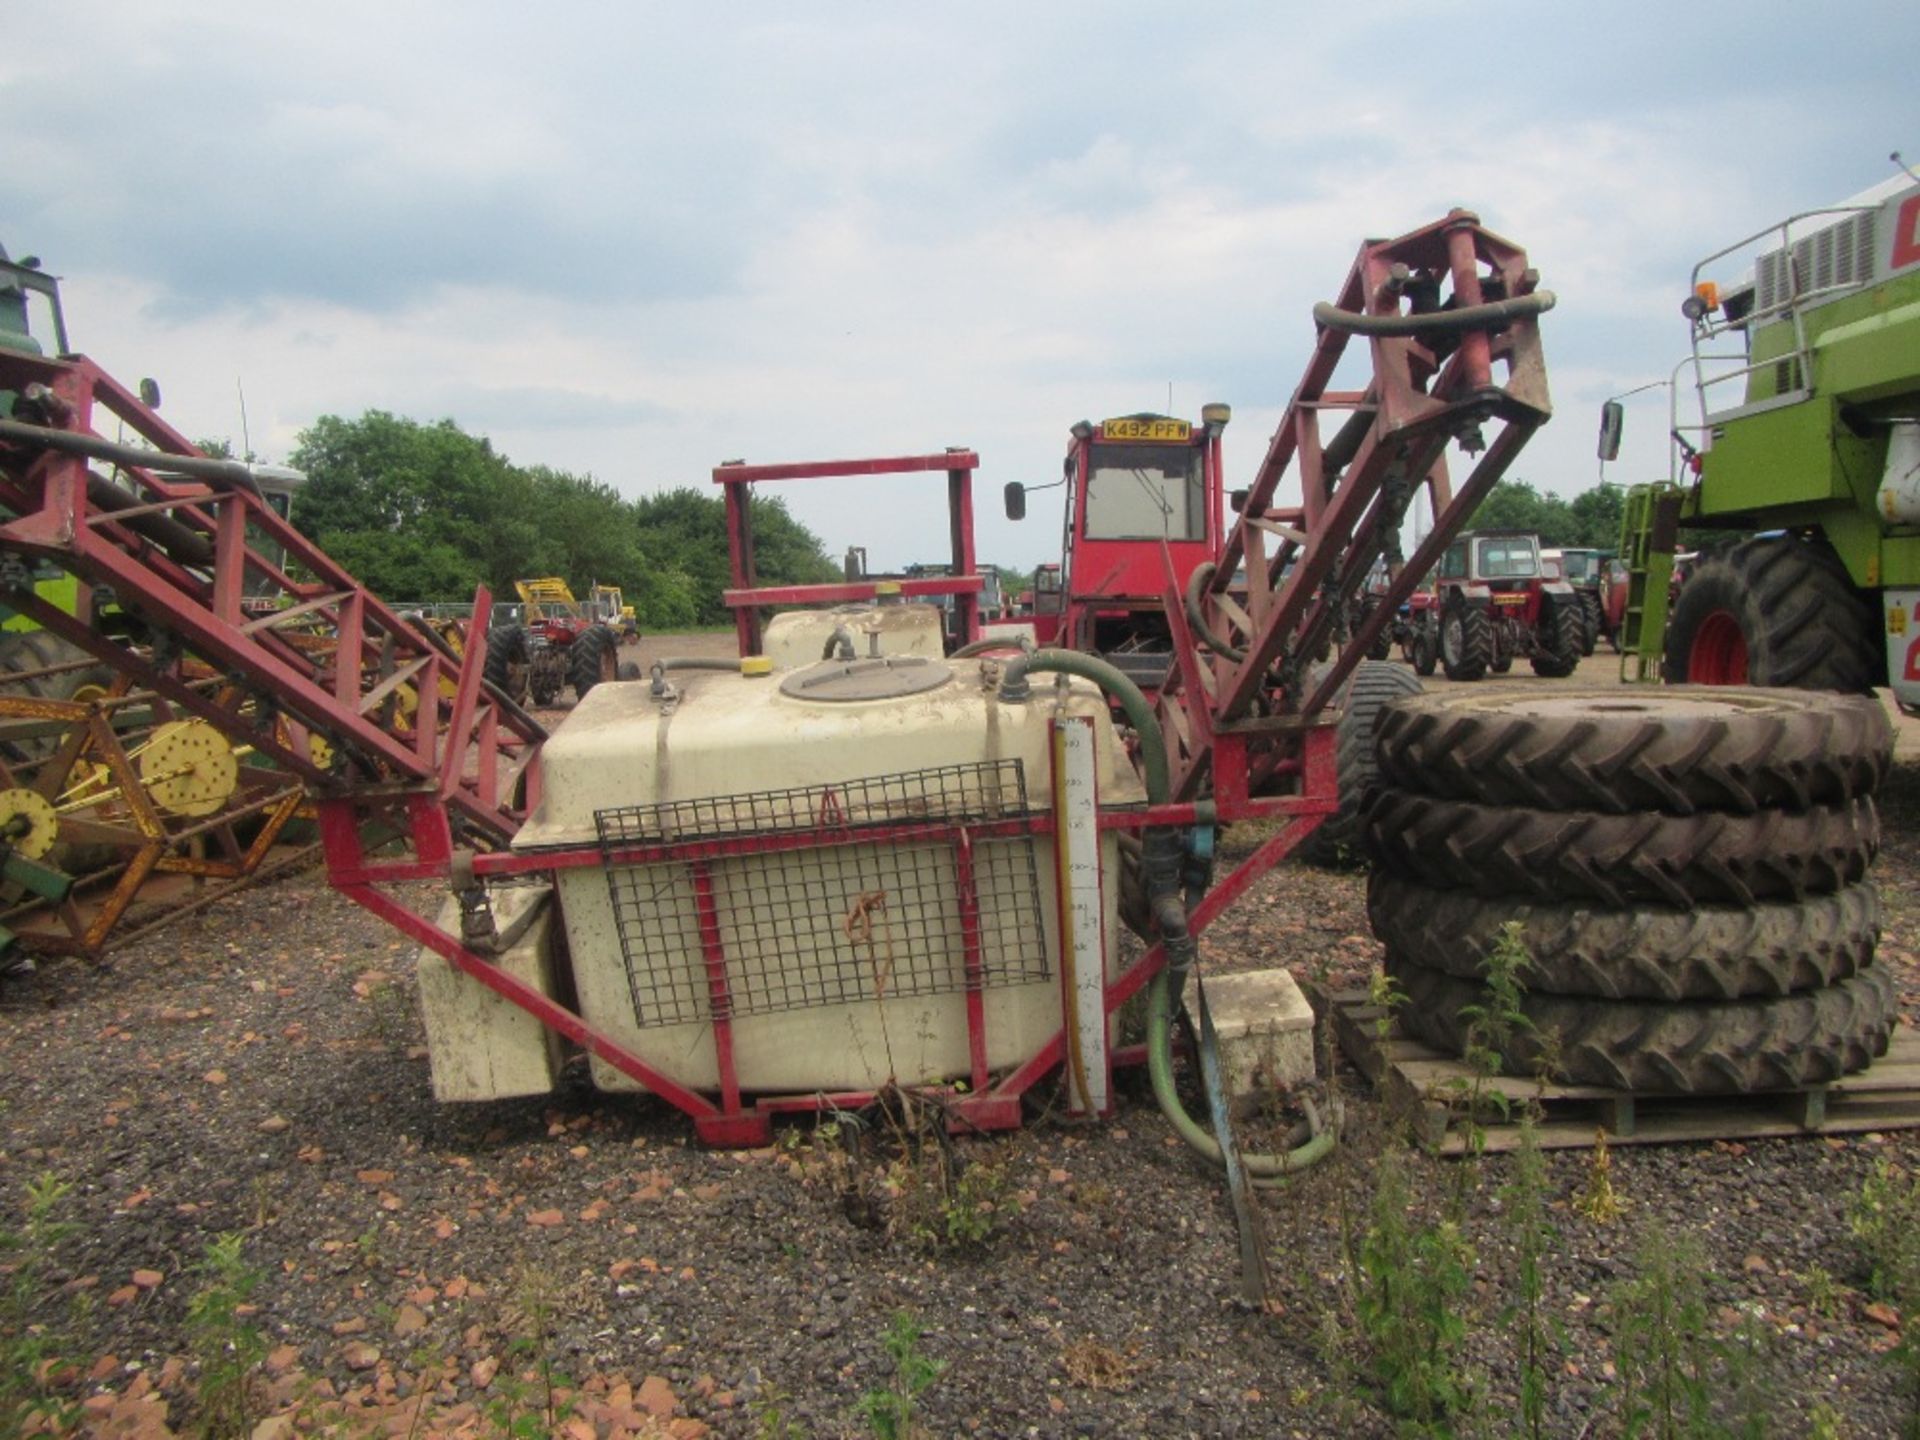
(755, 665)
(887, 587)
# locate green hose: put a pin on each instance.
(1265, 1169)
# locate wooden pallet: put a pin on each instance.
(1434, 1089)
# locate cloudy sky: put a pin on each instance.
(636, 240)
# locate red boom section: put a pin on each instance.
(1247, 682)
(180, 541)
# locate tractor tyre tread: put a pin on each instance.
(1565, 634)
(1686, 1048)
(1804, 622)
(593, 657)
(1716, 952)
(1373, 687)
(1605, 751)
(1622, 860)
(506, 648)
(1476, 642)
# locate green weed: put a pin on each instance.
(888, 1410)
(31, 1359)
(229, 1349)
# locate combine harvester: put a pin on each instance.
(785, 889)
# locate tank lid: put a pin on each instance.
(885, 677)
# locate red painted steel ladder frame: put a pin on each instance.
(180, 554)
(746, 596)
(1235, 724)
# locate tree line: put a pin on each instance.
(426, 512)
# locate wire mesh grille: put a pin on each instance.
(844, 920)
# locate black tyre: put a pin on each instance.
(506, 667)
(24, 651)
(1649, 953)
(1622, 860)
(1778, 610)
(1615, 750)
(1563, 630)
(1466, 642)
(1374, 685)
(593, 657)
(1423, 652)
(1651, 1048)
(1590, 614)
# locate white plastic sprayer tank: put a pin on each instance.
(796, 638)
(845, 964)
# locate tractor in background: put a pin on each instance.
(562, 642)
(1804, 438)
(1495, 602)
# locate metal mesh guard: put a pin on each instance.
(872, 910)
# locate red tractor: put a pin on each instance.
(562, 643)
(1134, 484)
(1492, 601)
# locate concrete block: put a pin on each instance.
(1266, 1032)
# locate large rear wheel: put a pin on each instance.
(505, 667)
(592, 658)
(1774, 610)
(1374, 685)
(1466, 642)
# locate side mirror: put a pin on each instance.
(1016, 495)
(150, 393)
(1613, 417)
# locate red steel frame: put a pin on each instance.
(747, 598)
(1231, 719)
(1246, 736)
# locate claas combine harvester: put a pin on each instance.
(748, 887)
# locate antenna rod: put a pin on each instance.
(246, 440)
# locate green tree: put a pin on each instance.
(1597, 513)
(427, 512)
(692, 528)
(1591, 518)
(413, 510)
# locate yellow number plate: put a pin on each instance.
(1178, 431)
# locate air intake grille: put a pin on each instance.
(1839, 256)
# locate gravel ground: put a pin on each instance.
(258, 1068)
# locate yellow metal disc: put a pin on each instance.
(28, 822)
(189, 768)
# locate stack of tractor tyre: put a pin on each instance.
(1688, 870)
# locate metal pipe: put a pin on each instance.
(228, 474)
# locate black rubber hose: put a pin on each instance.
(1445, 322)
(1196, 621)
